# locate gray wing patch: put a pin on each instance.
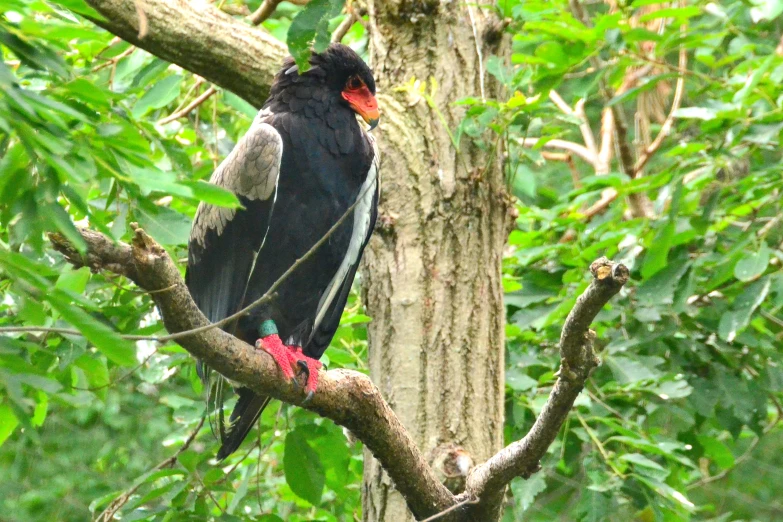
(251, 170)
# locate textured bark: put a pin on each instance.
(185, 33)
(432, 271)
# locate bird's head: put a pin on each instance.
(342, 73)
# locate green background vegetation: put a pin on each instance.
(679, 423)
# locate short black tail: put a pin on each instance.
(246, 412)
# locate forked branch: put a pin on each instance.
(349, 398)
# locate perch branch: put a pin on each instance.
(349, 398)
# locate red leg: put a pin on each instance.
(281, 353)
(290, 357)
(310, 368)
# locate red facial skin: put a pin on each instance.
(364, 103)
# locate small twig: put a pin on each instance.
(344, 27)
(669, 122)
(204, 96)
(599, 445)
(584, 126)
(124, 376)
(117, 503)
(466, 502)
(607, 197)
(607, 139)
(114, 60)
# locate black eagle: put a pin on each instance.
(304, 162)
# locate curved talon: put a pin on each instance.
(304, 369)
(309, 396)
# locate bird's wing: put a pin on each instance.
(224, 242)
(333, 299)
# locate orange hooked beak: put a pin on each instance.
(364, 103)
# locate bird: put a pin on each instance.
(303, 164)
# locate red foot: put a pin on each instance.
(290, 358)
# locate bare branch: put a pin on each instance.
(579, 113)
(666, 128)
(579, 150)
(607, 138)
(204, 96)
(584, 126)
(264, 11)
(244, 59)
(521, 459)
(344, 27)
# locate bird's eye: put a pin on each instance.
(354, 83)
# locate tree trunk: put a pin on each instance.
(433, 269)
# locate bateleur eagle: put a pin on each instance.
(304, 162)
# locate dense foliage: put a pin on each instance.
(690, 386)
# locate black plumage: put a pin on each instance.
(303, 163)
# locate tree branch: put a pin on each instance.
(349, 398)
(244, 59)
(521, 459)
(579, 150)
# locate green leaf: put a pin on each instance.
(672, 12)
(73, 280)
(526, 491)
(212, 194)
(160, 95)
(640, 460)
(109, 342)
(60, 220)
(742, 94)
(717, 451)
(166, 226)
(738, 318)
(658, 251)
(8, 422)
(630, 371)
(311, 26)
(304, 471)
(41, 409)
(752, 264)
(765, 10)
(96, 371)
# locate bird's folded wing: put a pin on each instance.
(224, 242)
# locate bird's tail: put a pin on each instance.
(246, 412)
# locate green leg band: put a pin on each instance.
(267, 328)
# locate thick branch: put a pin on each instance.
(243, 59)
(347, 397)
(521, 459)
